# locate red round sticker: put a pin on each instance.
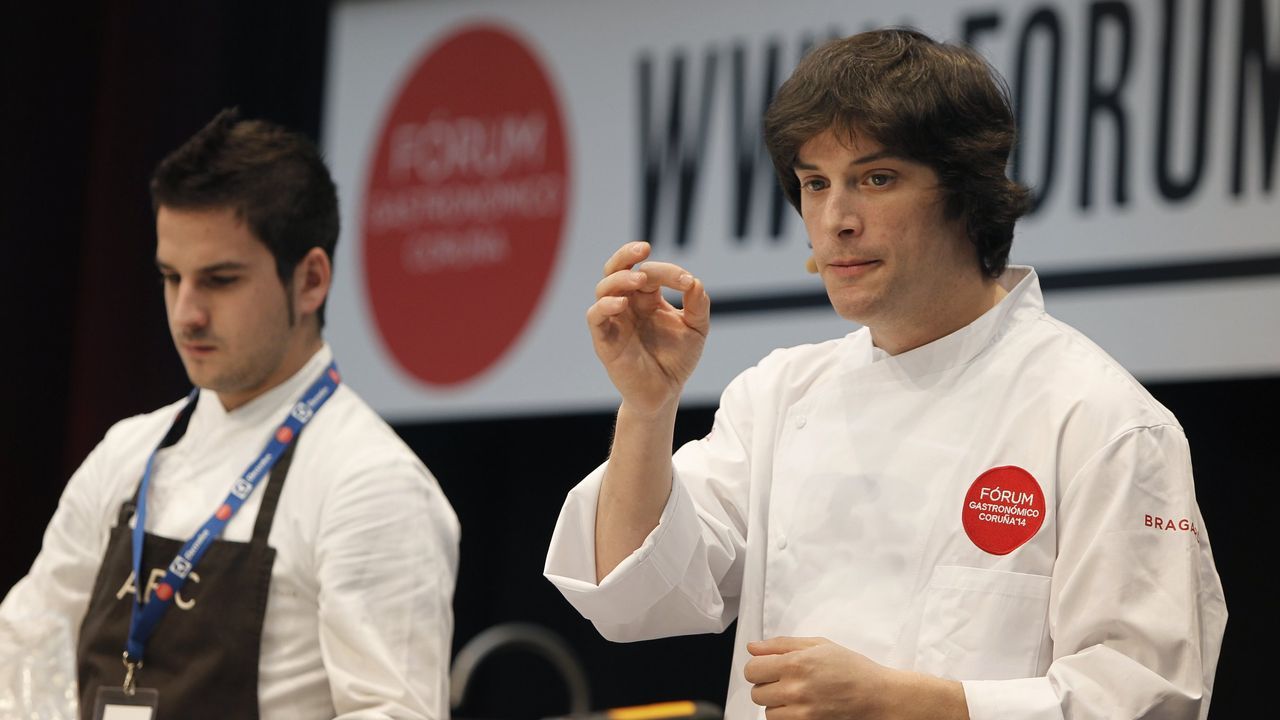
(164, 592)
(1003, 509)
(464, 205)
(284, 434)
(224, 512)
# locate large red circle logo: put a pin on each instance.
(1003, 509)
(465, 205)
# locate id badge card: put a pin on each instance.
(113, 703)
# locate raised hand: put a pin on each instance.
(648, 346)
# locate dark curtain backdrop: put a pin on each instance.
(94, 96)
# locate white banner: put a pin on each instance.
(491, 155)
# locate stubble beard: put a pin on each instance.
(232, 371)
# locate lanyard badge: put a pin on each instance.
(113, 703)
(146, 614)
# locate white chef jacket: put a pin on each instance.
(828, 499)
(359, 613)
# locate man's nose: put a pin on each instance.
(843, 217)
(189, 310)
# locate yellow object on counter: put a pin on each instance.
(656, 711)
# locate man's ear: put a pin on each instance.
(311, 278)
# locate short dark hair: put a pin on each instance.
(937, 104)
(275, 180)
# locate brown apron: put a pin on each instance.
(203, 657)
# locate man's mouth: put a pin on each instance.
(197, 349)
(852, 266)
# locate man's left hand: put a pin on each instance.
(816, 679)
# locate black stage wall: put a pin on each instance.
(93, 98)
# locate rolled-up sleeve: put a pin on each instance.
(686, 576)
(648, 594)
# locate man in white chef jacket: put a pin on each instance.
(962, 509)
(325, 589)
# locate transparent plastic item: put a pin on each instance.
(37, 670)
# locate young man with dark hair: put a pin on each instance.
(325, 592)
(962, 509)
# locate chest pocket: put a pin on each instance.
(981, 624)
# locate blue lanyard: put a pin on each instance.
(147, 615)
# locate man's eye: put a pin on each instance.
(880, 179)
(814, 184)
(221, 280)
(169, 279)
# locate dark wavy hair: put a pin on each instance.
(274, 179)
(937, 104)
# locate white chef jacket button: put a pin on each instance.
(781, 542)
(800, 421)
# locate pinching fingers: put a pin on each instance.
(697, 307)
(664, 274)
(605, 308)
(606, 321)
(626, 256)
(622, 282)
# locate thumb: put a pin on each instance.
(697, 307)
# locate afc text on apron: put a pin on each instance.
(203, 658)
